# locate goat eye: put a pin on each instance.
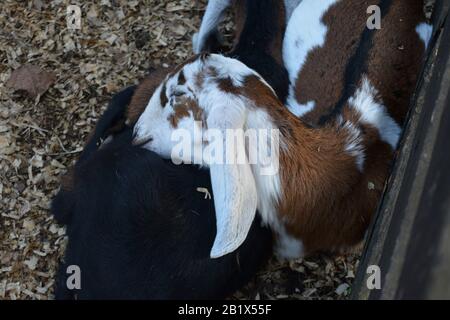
(178, 93)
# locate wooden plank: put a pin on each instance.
(409, 238)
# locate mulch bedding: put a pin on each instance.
(43, 128)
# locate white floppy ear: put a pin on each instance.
(233, 183)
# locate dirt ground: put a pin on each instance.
(40, 137)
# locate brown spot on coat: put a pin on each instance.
(185, 107)
(262, 96)
(226, 85)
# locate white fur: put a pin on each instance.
(290, 6)
(235, 195)
(425, 31)
(269, 186)
(154, 121)
(213, 15)
(354, 145)
(375, 113)
(296, 108)
(150, 125)
(288, 247)
(230, 68)
(305, 32)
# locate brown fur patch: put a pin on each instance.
(328, 202)
(183, 108)
(395, 60)
(143, 94)
(324, 69)
(334, 211)
(226, 85)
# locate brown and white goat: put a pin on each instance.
(317, 194)
(330, 177)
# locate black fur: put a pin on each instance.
(253, 48)
(214, 43)
(139, 229)
(112, 115)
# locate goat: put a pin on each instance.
(331, 174)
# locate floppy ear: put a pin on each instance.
(233, 184)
